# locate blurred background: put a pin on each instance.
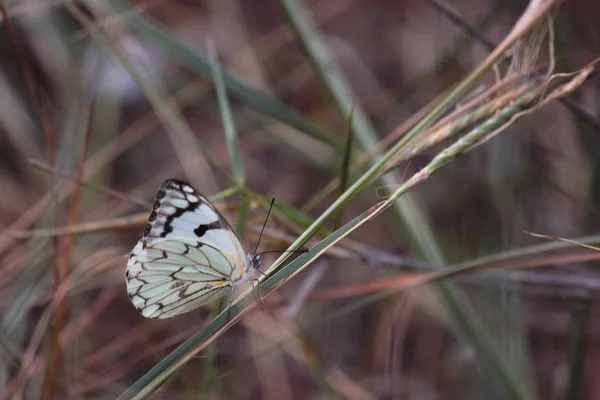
(118, 95)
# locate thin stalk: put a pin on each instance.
(231, 137)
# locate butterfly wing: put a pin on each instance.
(181, 213)
(189, 255)
(173, 276)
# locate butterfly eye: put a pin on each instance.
(256, 260)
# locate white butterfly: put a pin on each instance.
(189, 255)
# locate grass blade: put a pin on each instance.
(345, 168)
(233, 145)
(242, 217)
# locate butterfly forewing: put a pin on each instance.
(179, 212)
(189, 255)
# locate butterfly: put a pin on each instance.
(188, 255)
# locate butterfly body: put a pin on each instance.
(188, 256)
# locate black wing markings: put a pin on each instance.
(181, 188)
(194, 201)
(203, 228)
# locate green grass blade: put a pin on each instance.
(345, 168)
(233, 145)
(242, 217)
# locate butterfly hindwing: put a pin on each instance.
(163, 281)
(189, 255)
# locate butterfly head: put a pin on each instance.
(253, 261)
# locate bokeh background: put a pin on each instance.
(69, 102)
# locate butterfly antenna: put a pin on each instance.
(265, 224)
(282, 251)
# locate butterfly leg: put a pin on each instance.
(221, 302)
(229, 306)
(256, 291)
